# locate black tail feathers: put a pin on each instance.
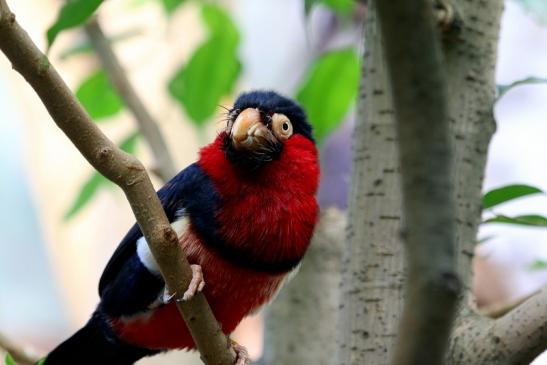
(96, 344)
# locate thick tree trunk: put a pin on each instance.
(300, 322)
(373, 267)
(372, 295)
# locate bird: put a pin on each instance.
(244, 213)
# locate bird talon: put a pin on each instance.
(242, 355)
(166, 297)
(196, 284)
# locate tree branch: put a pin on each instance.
(413, 56)
(514, 339)
(18, 354)
(146, 123)
(124, 170)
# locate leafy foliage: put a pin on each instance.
(98, 97)
(330, 89)
(523, 220)
(212, 70)
(88, 190)
(72, 14)
(538, 265)
(8, 360)
(506, 193)
(504, 88)
(340, 6)
(171, 5)
(97, 181)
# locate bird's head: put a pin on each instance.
(259, 126)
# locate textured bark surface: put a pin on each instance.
(470, 59)
(301, 321)
(373, 264)
(374, 268)
(515, 339)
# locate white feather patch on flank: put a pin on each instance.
(143, 251)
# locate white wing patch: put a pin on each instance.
(180, 225)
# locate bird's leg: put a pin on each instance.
(196, 285)
(242, 355)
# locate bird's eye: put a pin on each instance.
(281, 126)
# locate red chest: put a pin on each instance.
(271, 212)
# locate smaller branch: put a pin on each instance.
(448, 18)
(18, 354)
(146, 123)
(499, 311)
(517, 338)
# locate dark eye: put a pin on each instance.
(285, 126)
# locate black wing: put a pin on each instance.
(172, 196)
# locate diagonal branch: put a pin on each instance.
(20, 355)
(514, 339)
(124, 170)
(146, 123)
(413, 57)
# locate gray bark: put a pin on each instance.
(373, 267)
(300, 324)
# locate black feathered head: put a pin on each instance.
(259, 124)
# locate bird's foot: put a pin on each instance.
(242, 355)
(196, 285)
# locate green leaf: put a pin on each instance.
(41, 362)
(98, 97)
(211, 71)
(9, 360)
(523, 220)
(537, 8)
(219, 23)
(538, 265)
(72, 14)
(506, 193)
(171, 5)
(91, 186)
(504, 88)
(340, 6)
(97, 181)
(329, 90)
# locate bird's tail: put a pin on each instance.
(95, 344)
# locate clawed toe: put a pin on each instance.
(242, 355)
(196, 284)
